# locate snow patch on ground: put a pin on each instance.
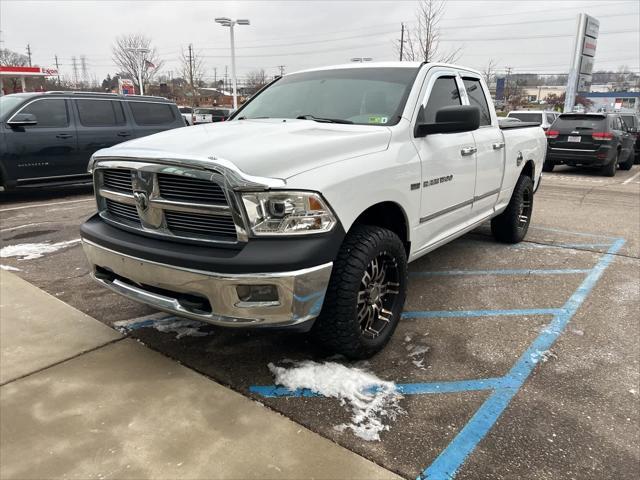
(542, 356)
(31, 251)
(370, 398)
(9, 268)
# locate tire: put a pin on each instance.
(512, 225)
(548, 165)
(610, 170)
(628, 163)
(350, 322)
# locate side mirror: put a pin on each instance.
(23, 120)
(463, 118)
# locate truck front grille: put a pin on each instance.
(123, 211)
(184, 204)
(195, 223)
(118, 180)
(175, 187)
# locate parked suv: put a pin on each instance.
(209, 115)
(632, 121)
(544, 118)
(48, 138)
(589, 140)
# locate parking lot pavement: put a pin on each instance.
(97, 405)
(529, 364)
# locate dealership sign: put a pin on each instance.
(584, 53)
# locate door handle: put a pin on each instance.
(498, 146)
(64, 135)
(124, 134)
(466, 151)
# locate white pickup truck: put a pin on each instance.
(305, 208)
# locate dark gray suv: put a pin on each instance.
(48, 138)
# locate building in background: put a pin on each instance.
(626, 102)
(24, 79)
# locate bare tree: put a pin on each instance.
(192, 66)
(15, 59)
(9, 57)
(256, 79)
(489, 73)
(129, 60)
(422, 43)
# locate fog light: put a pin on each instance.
(257, 293)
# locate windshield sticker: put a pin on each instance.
(378, 119)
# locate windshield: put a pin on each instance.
(628, 120)
(527, 117)
(8, 103)
(364, 96)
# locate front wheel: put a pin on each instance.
(366, 293)
(512, 225)
(626, 165)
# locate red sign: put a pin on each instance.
(31, 70)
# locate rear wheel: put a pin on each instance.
(366, 293)
(610, 170)
(512, 225)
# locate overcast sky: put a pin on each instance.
(534, 36)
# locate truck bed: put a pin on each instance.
(510, 125)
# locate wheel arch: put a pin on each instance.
(529, 170)
(389, 215)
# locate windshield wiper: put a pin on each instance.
(323, 120)
(250, 118)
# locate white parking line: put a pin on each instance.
(45, 204)
(629, 180)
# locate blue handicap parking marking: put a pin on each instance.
(502, 389)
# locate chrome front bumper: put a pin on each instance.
(300, 293)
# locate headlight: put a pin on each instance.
(287, 213)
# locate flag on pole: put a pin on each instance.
(148, 64)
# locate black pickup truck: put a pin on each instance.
(48, 138)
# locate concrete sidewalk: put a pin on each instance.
(78, 400)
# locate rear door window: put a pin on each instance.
(100, 113)
(528, 117)
(148, 113)
(49, 112)
(478, 99)
(443, 94)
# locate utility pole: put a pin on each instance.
(193, 91)
(29, 53)
(74, 66)
(215, 77)
(57, 70)
(83, 67)
(401, 40)
(141, 52)
(281, 67)
(506, 83)
(224, 85)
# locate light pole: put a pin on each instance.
(227, 22)
(141, 51)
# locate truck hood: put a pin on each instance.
(264, 148)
